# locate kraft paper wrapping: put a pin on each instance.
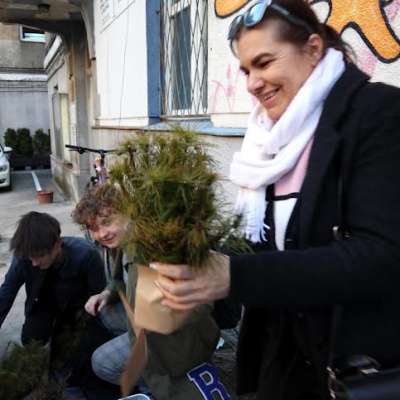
(135, 364)
(150, 314)
(138, 357)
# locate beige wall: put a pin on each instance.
(121, 57)
(9, 32)
(23, 88)
(18, 54)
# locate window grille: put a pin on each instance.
(184, 57)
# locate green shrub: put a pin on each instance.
(11, 138)
(169, 194)
(24, 142)
(41, 142)
(21, 370)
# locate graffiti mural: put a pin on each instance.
(370, 20)
(376, 24)
(368, 17)
(225, 8)
(225, 91)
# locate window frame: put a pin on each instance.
(197, 61)
(38, 37)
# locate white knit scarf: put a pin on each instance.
(271, 150)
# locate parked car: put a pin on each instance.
(5, 172)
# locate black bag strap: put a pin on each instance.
(340, 232)
(334, 335)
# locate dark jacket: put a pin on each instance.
(81, 275)
(358, 140)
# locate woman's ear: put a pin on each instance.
(315, 48)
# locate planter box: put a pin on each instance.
(41, 161)
(18, 163)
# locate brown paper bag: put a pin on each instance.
(150, 314)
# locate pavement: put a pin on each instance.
(14, 203)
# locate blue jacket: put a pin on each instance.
(80, 276)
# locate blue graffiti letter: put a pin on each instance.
(206, 379)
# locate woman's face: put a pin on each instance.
(275, 70)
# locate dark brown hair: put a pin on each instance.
(35, 235)
(94, 202)
(298, 35)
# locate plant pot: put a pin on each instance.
(45, 196)
(150, 314)
(18, 162)
(41, 161)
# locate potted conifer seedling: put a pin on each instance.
(169, 184)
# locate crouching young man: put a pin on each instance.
(60, 274)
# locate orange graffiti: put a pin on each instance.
(224, 8)
(369, 19)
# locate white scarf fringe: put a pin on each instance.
(271, 150)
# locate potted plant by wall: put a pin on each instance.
(10, 138)
(28, 151)
(169, 191)
(21, 143)
(41, 149)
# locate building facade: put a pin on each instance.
(169, 61)
(23, 81)
(118, 66)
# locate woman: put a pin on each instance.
(316, 176)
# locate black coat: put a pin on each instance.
(358, 140)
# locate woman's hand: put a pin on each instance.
(97, 302)
(185, 287)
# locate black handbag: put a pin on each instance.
(377, 385)
(362, 377)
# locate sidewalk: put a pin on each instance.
(13, 204)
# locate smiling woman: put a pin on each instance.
(320, 154)
(5, 173)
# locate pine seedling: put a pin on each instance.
(168, 188)
(22, 370)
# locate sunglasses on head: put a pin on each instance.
(255, 14)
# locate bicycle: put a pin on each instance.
(99, 164)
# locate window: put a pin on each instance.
(31, 35)
(184, 57)
(62, 134)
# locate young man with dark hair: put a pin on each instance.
(60, 274)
